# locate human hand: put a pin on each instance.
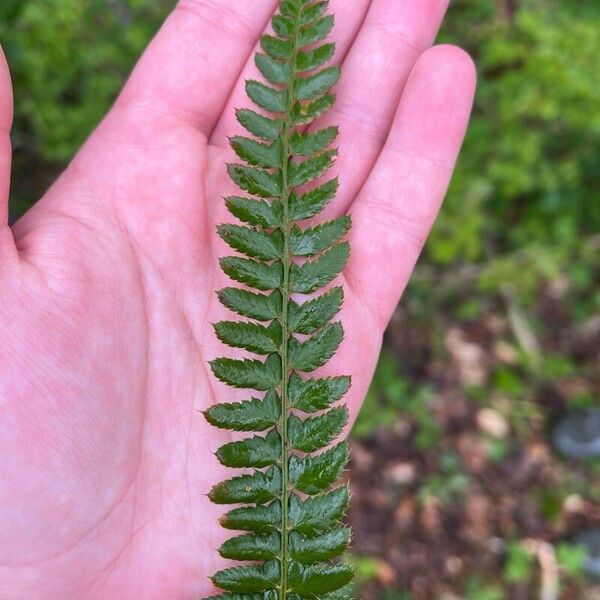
(107, 289)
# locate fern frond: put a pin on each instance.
(290, 518)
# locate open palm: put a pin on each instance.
(107, 289)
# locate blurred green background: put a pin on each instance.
(458, 492)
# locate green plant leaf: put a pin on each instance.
(314, 201)
(255, 212)
(255, 181)
(259, 125)
(250, 336)
(268, 595)
(255, 452)
(312, 581)
(257, 414)
(312, 315)
(252, 547)
(313, 240)
(257, 244)
(258, 488)
(316, 432)
(317, 349)
(318, 514)
(248, 304)
(307, 144)
(283, 26)
(255, 578)
(316, 31)
(291, 540)
(313, 474)
(255, 274)
(305, 171)
(251, 374)
(317, 273)
(291, 8)
(304, 114)
(266, 97)
(312, 395)
(276, 48)
(259, 519)
(312, 12)
(309, 550)
(313, 86)
(274, 71)
(312, 59)
(257, 153)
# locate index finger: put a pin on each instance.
(192, 64)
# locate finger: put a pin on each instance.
(190, 67)
(6, 116)
(7, 244)
(374, 74)
(397, 206)
(348, 19)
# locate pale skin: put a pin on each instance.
(107, 289)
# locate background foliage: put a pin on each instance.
(455, 480)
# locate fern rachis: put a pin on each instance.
(291, 509)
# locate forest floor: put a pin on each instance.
(457, 489)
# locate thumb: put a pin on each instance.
(6, 116)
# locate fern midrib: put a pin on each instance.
(285, 292)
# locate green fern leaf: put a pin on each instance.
(248, 579)
(306, 144)
(313, 581)
(257, 153)
(252, 547)
(250, 336)
(313, 12)
(258, 488)
(273, 70)
(316, 350)
(283, 26)
(252, 452)
(313, 202)
(317, 432)
(255, 274)
(314, 314)
(311, 87)
(315, 239)
(317, 273)
(269, 595)
(309, 550)
(271, 99)
(311, 168)
(318, 514)
(290, 540)
(257, 414)
(253, 243)
(251, 374)
(304, 114)
(260, 519)
(312, 475)
(315, 32)
(277, 48)
(259, 125)
(255, 212)
(312, 395)
(255, 181)
(248, 304)
(312, 59)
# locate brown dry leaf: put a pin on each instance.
(469, 358)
